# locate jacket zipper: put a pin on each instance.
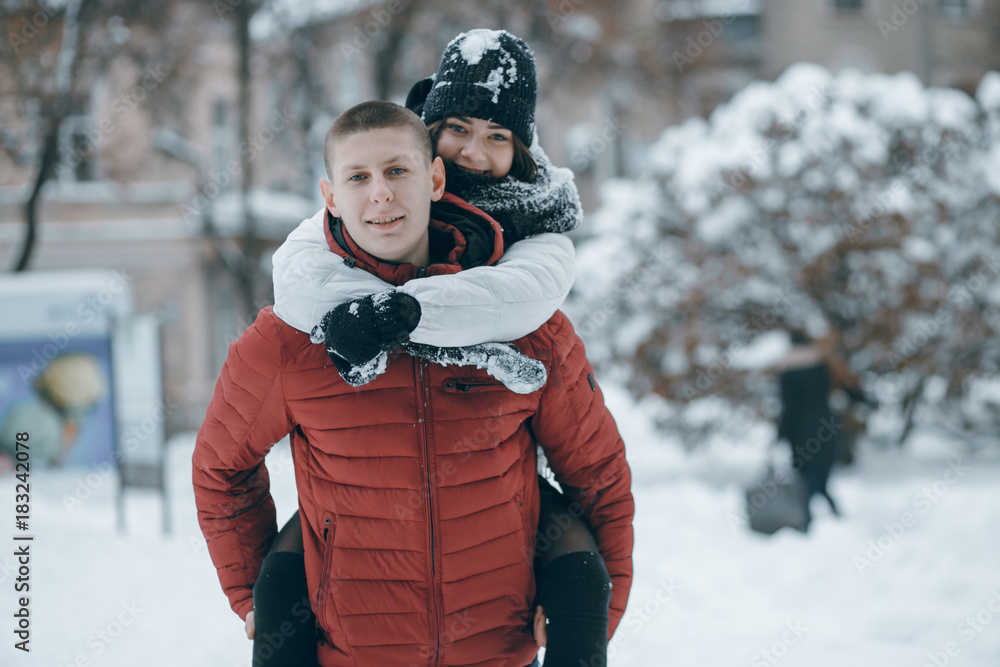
(423, 401)
(324, 590)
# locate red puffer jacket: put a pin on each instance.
(417, 491)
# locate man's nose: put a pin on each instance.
(380, 192)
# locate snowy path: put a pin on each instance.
(705, 595)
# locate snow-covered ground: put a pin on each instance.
(864, 590)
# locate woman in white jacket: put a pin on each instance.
(479, 108)
(493, 161)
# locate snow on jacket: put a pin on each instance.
(417, 491)
(483, 304)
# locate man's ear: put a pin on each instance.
(327, 189)
(437, 179)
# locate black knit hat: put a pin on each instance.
(488, 74)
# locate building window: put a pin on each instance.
(223, 140)
(954, 8)
(742, 37)
(848, 5)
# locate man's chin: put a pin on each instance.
(388, 250)
(390, 243)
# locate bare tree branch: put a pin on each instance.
(66, 67)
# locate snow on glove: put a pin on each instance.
(357, 375)
(355, 332)
(363, 373)
(517, 371)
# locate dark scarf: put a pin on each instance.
(548, 204)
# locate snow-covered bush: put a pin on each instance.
(858, 206)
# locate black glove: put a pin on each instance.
(358, 330)
(342, 364)
(859, 396)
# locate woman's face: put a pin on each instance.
(477, 145)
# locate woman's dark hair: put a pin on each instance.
(522, 167)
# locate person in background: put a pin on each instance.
(807, 375)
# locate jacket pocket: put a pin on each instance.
(326, 606)
(519, 501)
(528, 560)
(468, 385)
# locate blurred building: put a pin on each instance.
(944, 42)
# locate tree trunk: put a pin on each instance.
(66, 67)
(251, 246)
(311, 97)
(388, 55)
(50, 152)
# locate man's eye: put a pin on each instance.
(396, 171)
(356, 177)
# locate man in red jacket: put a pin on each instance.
(417, 489)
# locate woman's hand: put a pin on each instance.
(249, 625)
(541, 638)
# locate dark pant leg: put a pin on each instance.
(574, 588)
(285, 627)
(815, 480)
(822, 477)
(561, 527)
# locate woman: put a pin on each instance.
(807, 375)
(479, 109)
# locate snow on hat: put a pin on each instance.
(488, 74)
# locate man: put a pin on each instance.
(417, 489)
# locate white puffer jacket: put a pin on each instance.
(483, 304)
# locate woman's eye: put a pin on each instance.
(499, 137)
(456, 128)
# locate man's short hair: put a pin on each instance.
(372, 116)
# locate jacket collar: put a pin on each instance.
(461, 237)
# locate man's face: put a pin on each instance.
(382, 187)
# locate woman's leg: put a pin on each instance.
(285, 627)
(822, 478)
(574, 588)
